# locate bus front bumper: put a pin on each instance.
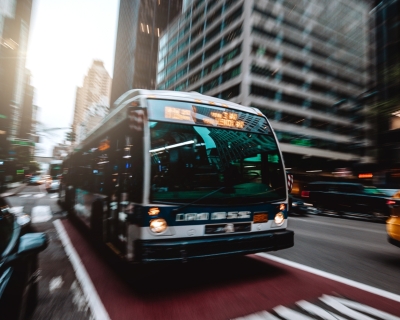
(184, 249)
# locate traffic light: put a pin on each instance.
(71, 136)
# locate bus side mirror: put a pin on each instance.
(289, 182)
(32, 243)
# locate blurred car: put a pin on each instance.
(393, 223)
(297, 206)
(53, 185)
(34, 180)
(39, 180)
(18, 265)
(46, 180)
(343, 198)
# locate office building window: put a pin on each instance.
(230, 93)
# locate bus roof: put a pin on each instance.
(192, 96)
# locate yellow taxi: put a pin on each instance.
(393, 223)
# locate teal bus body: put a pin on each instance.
(174, 176)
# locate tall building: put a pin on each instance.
(25, 128)
(16, 93)
(93, 115)
(140, 24)
(14, 33)
(387, 14)
(96, 86)
(15, 23)
(305, 64)
(61, 151)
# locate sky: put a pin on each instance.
(65, 38)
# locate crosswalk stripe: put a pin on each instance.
(327, 311)
(25, 195)
(39, 195)
(41, 214)
(288, 314)
(365, 309)
(16, 210)
(318, 311)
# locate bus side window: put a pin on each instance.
(134, 168)
(99, 171)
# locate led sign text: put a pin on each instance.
(216, 118)
(225, 119)
(177, 114)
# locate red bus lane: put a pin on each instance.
(251, 287)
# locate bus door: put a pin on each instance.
(129, 172)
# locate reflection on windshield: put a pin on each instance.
(190, 162)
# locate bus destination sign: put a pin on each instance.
(178, 114)
(216, 118)
(225, 119)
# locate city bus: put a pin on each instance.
(177, 176)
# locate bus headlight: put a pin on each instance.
(158, 225)
(279, 219)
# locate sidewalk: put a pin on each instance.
(13, 188)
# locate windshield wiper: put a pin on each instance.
(176, 210)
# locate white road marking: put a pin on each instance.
(365, 309)
(55, 283)
(95, 304)
(346, 307)
(25, 195)
(289, 314)
(16, 210)
(355, 284)
(318, 311)
(39, 195)
(41, 214)
(332, 302)
(78, 297)
(54, 196)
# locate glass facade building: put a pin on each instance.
(303, 63)
(387, 14)
(15, 17)
(140, 24)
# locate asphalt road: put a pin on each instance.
(354, 249)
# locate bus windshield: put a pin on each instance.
(214, 165)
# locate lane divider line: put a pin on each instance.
(330, 276)
(98, 310)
